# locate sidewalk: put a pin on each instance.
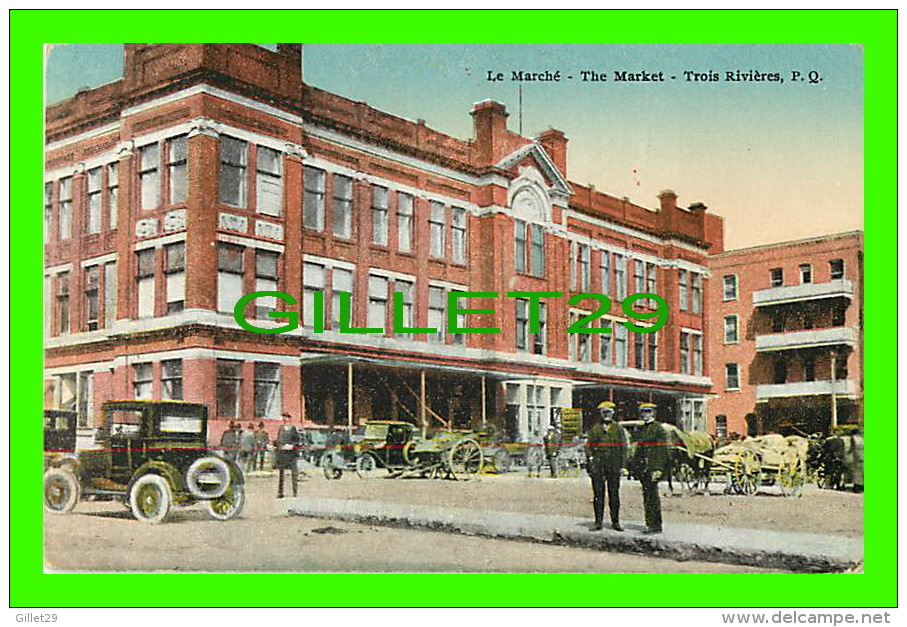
(801, 552)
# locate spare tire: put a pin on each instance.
(208, 478)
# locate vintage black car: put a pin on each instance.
(59, 435)
(152, 455)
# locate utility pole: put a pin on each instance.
(834, 397)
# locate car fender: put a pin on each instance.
(170, 472)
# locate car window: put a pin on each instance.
(180, 424)
(124, 422)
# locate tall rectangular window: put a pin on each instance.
(92, 295)
(458, 234)
(267, 390)
(229, 276)
(380, 210)
(436, 308)
(65, 206)
(313, 198)
(142, 377)
(150, 176)
(776, 276)
(604, 266)
(684, 352)
(63, 302)
(404, 222)
(48, 209)
(583, 253)
(406, 289)
(697, 355)
(730, 286)
(620, 277)
(639, 276)
(809, 369)
(779, 371)
(522, 324)
(269, 181)
(265, 281)
(696, 293)
(178, 164)
(229, 378)
(836, 268)
(343, 206)
(437, 223)
(113, 192)
(731, 332)
(459, 338)
(175, 271)
(605, 346)
(837, 316)
(145, 279)
(519, 249)
(110, 293)
(639, 350)
(95, 194)
(539, 339)
(620, 346)
(233, 160)
(172, 380)
(342, 281)
(377, 302)
(652, 282)
(653, 351)
(312, 282)
(86, 398)
(537, 250)
(806, 273)
(683, 289)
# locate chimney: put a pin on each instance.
(697, 207)
(555, 144)
(291, 60)
(490, 124)
(668, 200)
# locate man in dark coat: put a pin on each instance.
(552, 442)
(606, 455)
(229, 442)
(652, 457)
(286, 454)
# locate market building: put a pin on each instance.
(210, 171)
(787, 337)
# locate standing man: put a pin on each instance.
(247, 447)
(229, 442)
(552, 442)
(652, 458)
(261, 446)
(606, 455)
(286, 452)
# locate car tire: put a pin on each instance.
(150, 499)
(228, 506)
(61, 491)
(208, 478)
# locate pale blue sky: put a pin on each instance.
(778, 161)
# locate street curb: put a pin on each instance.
(799, 552)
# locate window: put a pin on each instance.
(778, 320)
(379, 215)
(653, 351)
(404, 222)
(229, 377)
(436, 309)
(519, 253)
(696, 292)
(606, 351)
(639, 276)
(806, 273)
(731, 333)
(535, 409)
(721, 426)
(113, 192)
(684, 353)
(537, 250)
(141, 381)
(313, 198)
(229, 276)
(620, 346)
(343, 206)
(732, 376)
(233, 159)
(697, 355)
(172, 380)
(94, 200)
(582, 259)
(269, 181)
(540, 338)
(110, 293)
(85, 395)
(682, 283)
(149, 176)
(776, 275)
(581, 342)
(92, 292)
(377, 302)
(265, 281)
(341, 281)
(65, 204)
(175, 271)
(807, 321)
(145, 278)
(63, 302)
(312, 282)
(437, 222)
(604, 265)
(652, 282)
(779, 371)
(841, 365)
(406, 289)
(639, 350)
(620, 277)
(836, 267)
(809, 369)
(48, 209)
(837, 317)
(460, 338)
(730, 286)
(458, 234)
(522, 324)
(267, 390)
(177, 162)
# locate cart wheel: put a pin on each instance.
(464, 460)
(792, 475)
(747, 472)
(330, 468)
(366, 465)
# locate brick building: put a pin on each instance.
(787, 336)
(210, 171)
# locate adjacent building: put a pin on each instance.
(787, 337)
(210, 171)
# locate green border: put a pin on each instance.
(877, 30)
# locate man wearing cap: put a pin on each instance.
(651, 457)
(286, 455)
(606, 455)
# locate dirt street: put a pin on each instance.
(103, 536)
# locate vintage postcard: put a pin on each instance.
(450, 308)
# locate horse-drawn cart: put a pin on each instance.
(766, 460)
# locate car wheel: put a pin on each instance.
(366, 466)
(61, 491)
(229, 505)
(150, 499)
(208, 478)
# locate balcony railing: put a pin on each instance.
(839, 288)
(813, 338)
(842, 387)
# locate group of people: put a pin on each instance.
(247, 447)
